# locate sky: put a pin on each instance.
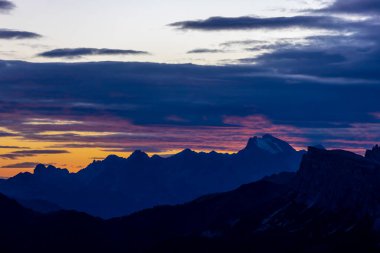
(80, 80)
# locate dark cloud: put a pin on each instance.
(17, 35)
(6, 134)
(292, 59)
(350, 58)
(6, 5)
(80, 52)
(12, 147)
(354, 6)
(25, 165)
(250, 23)
(205, 51)
(300, 97)
(321, 90)
(242, 43)
(110, 148)
(28, 153)
(148, 149)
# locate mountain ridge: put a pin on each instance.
(118, 186)
(271, 215)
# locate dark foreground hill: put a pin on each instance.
(118, 186)
(330, 205)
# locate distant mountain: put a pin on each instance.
(330, 205)
(117, 186)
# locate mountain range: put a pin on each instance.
(117, 186)
(331, 204)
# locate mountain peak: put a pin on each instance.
(39, 168)
(185, 152)
(49, 170)
(269, 144)
(138, 154)
(112, 158)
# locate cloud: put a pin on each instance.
(182, 105)
(6, 134)
(354, 57)
(323, 89)
(148, 149)
(252, 23)
(29, 153)
(25, 165)
(354, 7)
(297, 57)
(6, 5)
(80, 52)
(12, 147)
(205, 51)
(17, 35)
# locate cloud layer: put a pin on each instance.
(205, 51)
(251, 23)
(29, 153)
(17, 35)
(6, 5)
(354, 6)
(118, 105)
(80, 52)
(25, 165)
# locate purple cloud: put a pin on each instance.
(25, 165)
(29, 153)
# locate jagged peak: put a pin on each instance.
(42, 169)
(112, 157)
(185, 152)
(39, 167)
(268, 143)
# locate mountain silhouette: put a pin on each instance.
(117, 186)
(374, 154)
(330, 205)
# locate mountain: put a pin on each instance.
(117, 186)
(23, 230)
(340, 180)
(374, 154)
(330, 205)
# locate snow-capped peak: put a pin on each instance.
(269, 144)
